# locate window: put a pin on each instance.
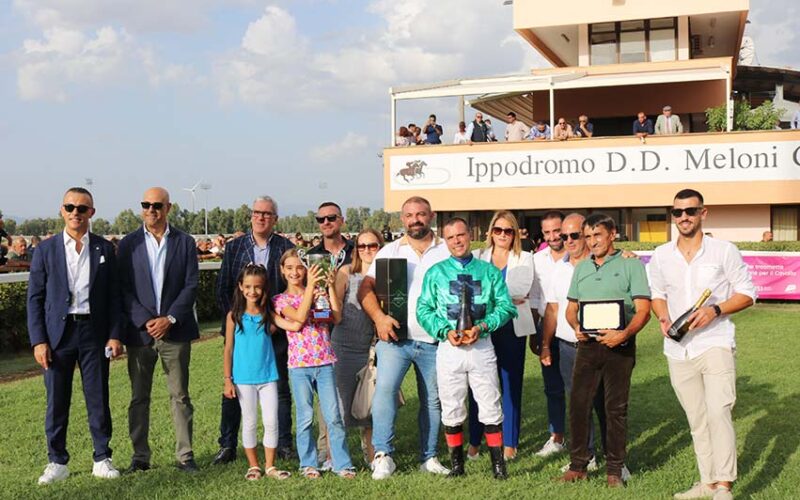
(633, 41)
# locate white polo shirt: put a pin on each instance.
(718, 266)
(416, 267)
(543, 266)
(556, 293)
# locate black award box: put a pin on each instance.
(391, 287)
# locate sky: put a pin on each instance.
(287, 98)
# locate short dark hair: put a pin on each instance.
(511, 114)
(418, 199)
(684, 194)
(330, 204)
(80, 190)
(433, 116)
(600, 219)
(553, 214)
(452, 221)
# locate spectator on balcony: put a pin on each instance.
(476, 130)
(795, 121)
(516, 130)
(461, 136)
(584, 128)
(766, 237)
(642, 126)
(404, 137)
(415, 132)
(563, 130)
(433, 131)
(490, 137)
(19, 250)
(667, 123)
(540, 132)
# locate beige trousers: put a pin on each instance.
(706, 389)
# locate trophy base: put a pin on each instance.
(322, 316)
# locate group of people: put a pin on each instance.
(85, 302)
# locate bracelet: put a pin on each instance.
(227, 378)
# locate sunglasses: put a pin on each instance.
(156, 206)
(82, 209)
(370, 246)
(566, 236)
(329, 218)
(508, 231)
(690, 211)
(264, 214)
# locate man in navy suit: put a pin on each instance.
(74, 317)
(260, 246)
(158, 277)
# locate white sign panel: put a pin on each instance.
(743, 161)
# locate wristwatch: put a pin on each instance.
(171, 319)
(717, 310)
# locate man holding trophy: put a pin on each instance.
(702, 364)
(463, 301)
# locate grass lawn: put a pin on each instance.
(659, 449)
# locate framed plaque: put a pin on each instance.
(391, 287)
(598, 315)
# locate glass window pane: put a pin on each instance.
(602, 27)
(664, 22)
(632, 47)
(631, 25)
(604, 38)
(605, 53)
(662, 45)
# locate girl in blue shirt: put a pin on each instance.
(250, 369)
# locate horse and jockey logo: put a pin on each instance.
(413, 170)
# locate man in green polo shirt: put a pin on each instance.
(611, 355)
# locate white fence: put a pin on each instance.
(23, 277)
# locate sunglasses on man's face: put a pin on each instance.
(508, 231)
(690, 211)
(370, 246)
(573, 236)
(329, 218)
(82, 209)
(156, 206)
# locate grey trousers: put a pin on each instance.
(175, 357)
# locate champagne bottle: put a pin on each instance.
(464, 322)
(680, 327)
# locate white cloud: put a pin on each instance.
(348, 146)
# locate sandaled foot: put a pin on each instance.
(310, 473)
(274, 473)
(349, 473)
(253, 474)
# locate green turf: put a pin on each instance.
(660, 454)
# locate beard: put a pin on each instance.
(418, 231)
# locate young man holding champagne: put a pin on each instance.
(702, 366)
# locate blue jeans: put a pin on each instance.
(554, 392)
(394, 360)
(304, 382)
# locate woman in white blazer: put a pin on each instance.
(503, 249)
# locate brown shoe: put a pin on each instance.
(615, 482)
(571, 476)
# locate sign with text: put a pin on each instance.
(640, 164)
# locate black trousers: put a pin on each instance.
(231, 417)
(594, 363)
(80, 345)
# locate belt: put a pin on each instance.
(79, 317)
(571, 344)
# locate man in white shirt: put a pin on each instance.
(702, 365)
(515, 130)
(544, 262)
(421, 249)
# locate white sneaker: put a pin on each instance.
(53, 473)
(551, 448)
(105, 469)
(626, 474)
(433, 466)
(327, 466)
(383, 466)
(591, 467)
(722, 493)
(698, 490)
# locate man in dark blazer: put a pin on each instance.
(74, 317)
(158, 277)
(259, 246)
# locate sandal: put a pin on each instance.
(349, 473)
(310, 473)
(274, 473)
(253, 474)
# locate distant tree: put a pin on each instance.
(41, 226)
(241, 219)
(101, 226)
(126, 222)
(11, 225)
(763, 117)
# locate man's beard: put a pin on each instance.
(419, 232)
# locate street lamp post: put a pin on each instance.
(206, 188)
(89, 182)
